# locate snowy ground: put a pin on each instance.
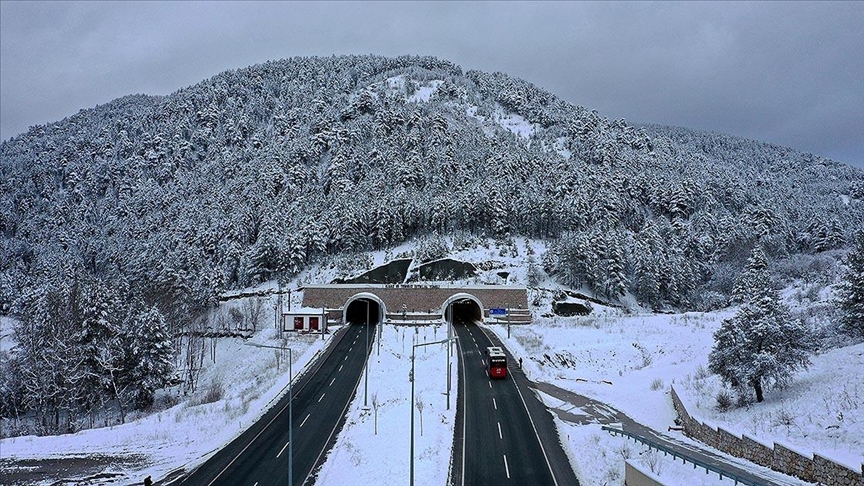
(362, 457)
(629, 361)
(609, 355)
(232, 393)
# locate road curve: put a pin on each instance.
(260, 455)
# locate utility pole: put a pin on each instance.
(508, 320)
(366, 374)
(411, 403)
(290, 407)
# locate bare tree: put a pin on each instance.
(420, 407)
(375, 405)
(252, 313)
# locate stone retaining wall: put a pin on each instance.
(815, 468)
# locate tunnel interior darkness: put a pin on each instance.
(356, 311)
(465, 311)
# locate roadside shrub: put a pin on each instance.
(657, 384)
(724, 401)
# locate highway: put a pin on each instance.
(321, 397)
(497, 440)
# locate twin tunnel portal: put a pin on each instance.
(514, 441)
(417, 304)
(366, 310)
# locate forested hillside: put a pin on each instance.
(145, 209)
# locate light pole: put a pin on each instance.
(366, 374)
(508, 320)
(411, 403)
(290, 407)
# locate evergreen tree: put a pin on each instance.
(150, 355)
(761, 346)
(852, 291)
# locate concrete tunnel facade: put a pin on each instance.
(423, 302)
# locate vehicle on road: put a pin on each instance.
(496, 361)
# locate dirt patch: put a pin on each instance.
(79, 471)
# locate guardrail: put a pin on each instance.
(675, 454)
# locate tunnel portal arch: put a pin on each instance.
(354, 307)
(463, 307)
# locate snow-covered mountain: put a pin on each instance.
(145, 209)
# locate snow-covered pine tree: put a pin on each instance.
(755, 278)
(852, 291)
(150, 355)
(761, 346)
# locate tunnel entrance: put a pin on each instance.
(464, 311)
(357, 310)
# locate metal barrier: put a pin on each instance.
(696, 462)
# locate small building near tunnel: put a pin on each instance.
(361, 303)
(303, 320)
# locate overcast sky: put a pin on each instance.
(787, 73)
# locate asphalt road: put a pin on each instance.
(321, 397)
(498, 441)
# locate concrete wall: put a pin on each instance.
(636, 476)
(812, 468)
(416, 298)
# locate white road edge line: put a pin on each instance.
(464, 408)
(281, 451)
(304, 420)
(506, 467)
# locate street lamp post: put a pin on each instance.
(411, 403)
(366, 374)
(290, 407)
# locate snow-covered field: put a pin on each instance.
(232, 393)
(363, 457)
(629, 361)
(625, 360)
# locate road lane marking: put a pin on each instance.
(281, 451)
(499, 431)
(334, 379)
(256, 482)
(322, 396)
(494, 403)
(350, 349)
(304, 420)
(345, 358)
(487, 374)
(340, 368)
(506, 467)
(490, 384)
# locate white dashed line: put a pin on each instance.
(334, 379)
(304, 420)
(506, 467)
(494, 403)
(499, 431)
(322, 396)
(340, 367)
(490, 384)
(281, 451)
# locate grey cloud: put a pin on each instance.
(787, 73)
